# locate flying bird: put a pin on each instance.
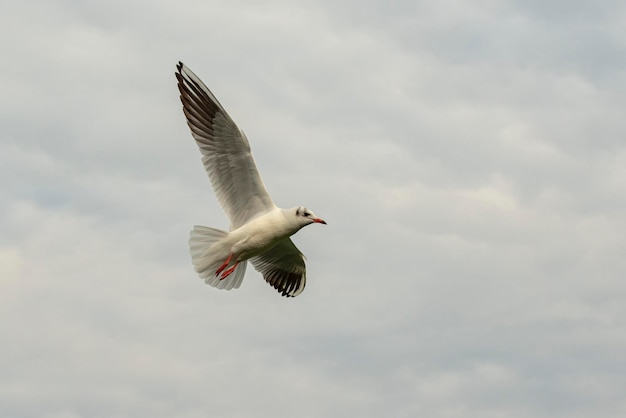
(259, 230)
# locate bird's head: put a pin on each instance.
(306, 216)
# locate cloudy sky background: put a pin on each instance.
(469, 158)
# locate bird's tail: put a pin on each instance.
(207, 255)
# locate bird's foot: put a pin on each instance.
(223, 266)
(228, 272)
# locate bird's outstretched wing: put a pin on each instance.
(225, 151)
(283, 267)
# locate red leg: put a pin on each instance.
(228, 272)
(223, 266)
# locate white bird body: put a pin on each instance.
(257, 236)
(260, 230)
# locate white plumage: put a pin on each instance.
(259, 230)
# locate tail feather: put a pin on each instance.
(207, 256)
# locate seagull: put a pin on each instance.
(259, 230)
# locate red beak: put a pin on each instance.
(319, 221)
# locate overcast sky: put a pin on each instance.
(469, 157)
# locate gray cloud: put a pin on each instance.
(468, 159)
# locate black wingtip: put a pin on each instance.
(179, 67)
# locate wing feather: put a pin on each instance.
(226, 153)
(283, 268)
